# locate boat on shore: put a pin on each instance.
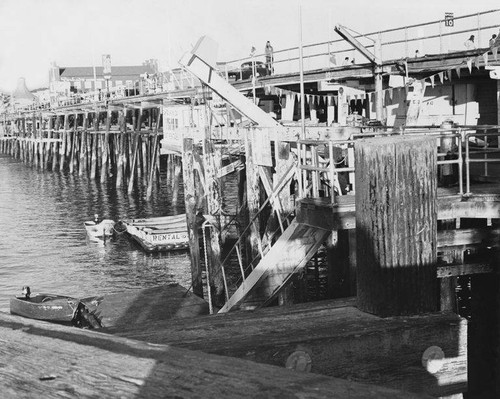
(165, 233)
(98, 232)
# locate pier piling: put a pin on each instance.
(396, 224)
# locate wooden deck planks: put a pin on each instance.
(341, 340)
(50, 361)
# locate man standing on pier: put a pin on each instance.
(269, 57)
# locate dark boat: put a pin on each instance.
(48, 307)
(54, 308)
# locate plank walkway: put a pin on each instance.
(339, 340)
(45, 360)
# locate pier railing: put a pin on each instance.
(321, 174)
(412, 41)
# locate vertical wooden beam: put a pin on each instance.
(34, 136)
(119, 152)
(57, 145)
(92, 145)
(154, 159)
(253, 197)
(41, 144)
(396, 225)
(133, 169)
(105, 148)
(49, 144)
(83, 146)
(72, 143)
(353, 279)
(284, 160)
(191, 202)
(212, 159)
(176, 179)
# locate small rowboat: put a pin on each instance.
(56, 308)
(166, 233)
(49, 307)
(99, 231)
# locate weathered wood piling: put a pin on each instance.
(396, 225)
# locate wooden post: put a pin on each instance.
(41, 150)
(396, 225)
(58, 145)
(93, 146)
(120, 148)
(49, 143)
(154, 160)
(284, 161)
(176, 179)
(191, 201)
(83, 146)
(72, 139)
(212, 159)
(105, 148)
(253, 198)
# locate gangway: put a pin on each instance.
(295, 247)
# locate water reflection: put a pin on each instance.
(43, 242)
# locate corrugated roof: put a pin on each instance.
(88, 72)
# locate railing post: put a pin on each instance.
(478, 30)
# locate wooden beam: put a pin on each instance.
(192, 209)
(465, 269)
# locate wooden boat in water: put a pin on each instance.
(49, 307)
(165, 233)
(99, 231)
(57, 308)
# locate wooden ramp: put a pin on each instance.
(298, 243)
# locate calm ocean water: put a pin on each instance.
(43, 242)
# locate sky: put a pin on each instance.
(34, 33)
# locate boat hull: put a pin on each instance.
(56, 308)
(167, 233)
(101, 231)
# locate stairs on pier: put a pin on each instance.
(295, 247)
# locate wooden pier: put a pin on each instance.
(397, 219)
(56, 361)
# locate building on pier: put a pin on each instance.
(66, 81)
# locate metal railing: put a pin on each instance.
(317, 174)
(433, 37)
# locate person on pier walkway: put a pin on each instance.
(469, 43)
(269, 57)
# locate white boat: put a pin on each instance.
(100, 231)
(166, 233)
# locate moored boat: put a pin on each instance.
(56, 308)
(99, 231)
(49, 307)
(166, 233)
